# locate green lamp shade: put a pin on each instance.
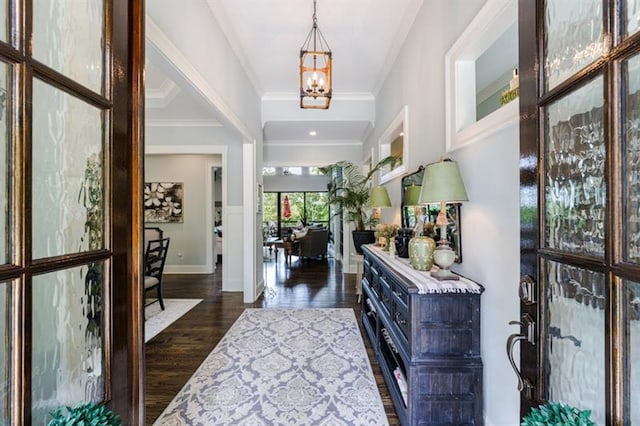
(442, 183)
(379, 197)
(412, 195)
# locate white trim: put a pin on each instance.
(249, 219)
(401, 118)
(187, 149)
(162, 96)
(173, 122)
(331, 142)
(495, 17)
(187, 269)
(174, 56)
(406, 24)
(506, 116)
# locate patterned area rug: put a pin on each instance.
(157, 320)
(283, 367)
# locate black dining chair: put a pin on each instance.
(154, 260)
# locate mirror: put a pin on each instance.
(394, 141)
(409, 213)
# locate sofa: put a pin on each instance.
(313, 244)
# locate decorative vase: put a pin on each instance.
(421, 253)
(402, 242)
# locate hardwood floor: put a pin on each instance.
(174, 354)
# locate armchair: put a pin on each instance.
(314, 244)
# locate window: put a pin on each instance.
(285, 210)
(292, 171)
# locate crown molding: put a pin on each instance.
(160, 122)
(315, 143)
(163, 95)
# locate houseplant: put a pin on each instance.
(89, 414)
(554, 413)
(348, 190)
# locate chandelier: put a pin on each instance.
(315, 69)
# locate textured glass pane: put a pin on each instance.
(633, 313)
(68, 36)
(575, 346)
(575, 195)
(573, 37)
(631, 179)
(5, 330)
(68, 339)
(4, 162)
(67, 173)
(4, 20)
(633, 16)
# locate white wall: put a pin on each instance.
(187, 34)
(490, 220)
(307, 154)
(295, 183)
(189, 237)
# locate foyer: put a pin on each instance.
(174, 355)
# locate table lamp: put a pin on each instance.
(379, 198)
(443, 184)
(412, 199)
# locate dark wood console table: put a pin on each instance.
(426, 337)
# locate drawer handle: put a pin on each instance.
(399, 295)
(399, 319)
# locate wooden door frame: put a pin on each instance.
(127, 304)
(529, 194)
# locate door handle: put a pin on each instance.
(526, 290)
(527, 333)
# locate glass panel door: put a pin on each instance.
(68, 36)
(67, 179)
(632, 16)
(575, 345)
(5, 351)
(573, 38)
(631, 143)
(580, 208)
(5, 161)
(67, 339)
(575, 188)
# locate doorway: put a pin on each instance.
(580, 231)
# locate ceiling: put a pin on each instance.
(364, 36)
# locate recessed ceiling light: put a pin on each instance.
(312, 133)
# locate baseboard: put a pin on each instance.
(187, 269)
(259, 291)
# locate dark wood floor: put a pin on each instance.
(174, 354)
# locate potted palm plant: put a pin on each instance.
(349, 193)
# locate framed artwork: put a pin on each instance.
(163, 202)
